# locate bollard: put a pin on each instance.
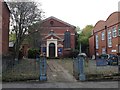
(43, 68)
(81, 68)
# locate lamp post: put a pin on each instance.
(80, 47)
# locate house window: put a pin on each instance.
(114, 32)
(67, 39)
(103, 51)
(109, 39)
(103, 36)
(97, 42)
(119, 30)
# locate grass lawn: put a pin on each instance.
(25, 70)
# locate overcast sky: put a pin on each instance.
(79, 12)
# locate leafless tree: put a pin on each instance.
(23, 15)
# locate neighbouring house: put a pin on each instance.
(105, 38)
(4, 28)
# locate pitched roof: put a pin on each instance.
(52, 17)
(54, 36)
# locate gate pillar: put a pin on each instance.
(81, 68)
(43, 69)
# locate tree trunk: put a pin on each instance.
(17, 47)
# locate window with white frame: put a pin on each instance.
(119, 30)
(103, 51)
(109, 39)
(97, 46)
(103, 35)
(114, 31)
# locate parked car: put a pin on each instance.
(110, 58)
(104, 56)
(82, 55)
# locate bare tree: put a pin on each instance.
(23, 15)
(34, 35)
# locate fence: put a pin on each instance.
(94, 69)
(7, 63)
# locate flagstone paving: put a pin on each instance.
(57, 73)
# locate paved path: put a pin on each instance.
(56, 73)
(62, 85)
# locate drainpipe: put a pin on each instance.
(94, 44)
(106, 38)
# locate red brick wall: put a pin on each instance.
(91, 46)
(0, 27)
(99, 26)
(111, 21)
(59, 28)
(5, 28)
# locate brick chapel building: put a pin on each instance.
(58, 37)
(4, 28)
(105, 38)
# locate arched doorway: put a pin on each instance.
(51, 50)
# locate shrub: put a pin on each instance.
(74, 53)
(32, 53)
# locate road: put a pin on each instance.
(113, 84)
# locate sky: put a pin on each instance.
(79, 12)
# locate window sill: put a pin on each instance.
(114, 36)
(110, 46)
(67, 48)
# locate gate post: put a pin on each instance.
(43, 69)
(81, 61)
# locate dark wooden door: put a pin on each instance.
(51, 50)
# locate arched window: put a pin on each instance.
(51, 23)
(67, 39)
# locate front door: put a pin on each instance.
(51, 50)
